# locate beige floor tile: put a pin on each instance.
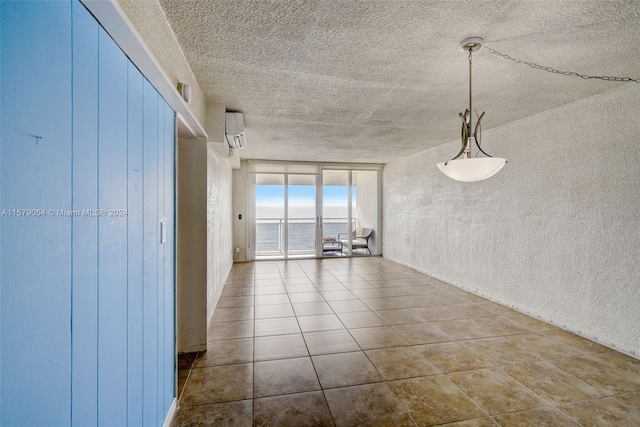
(503, 325)
(399, 316)
(356, 284)
(630, 399)
(531, 323)
(322, 322)
(306, 297)
(551, 383)
(338, 295)
(232, 314)
(622, 361)
(330, 342)
(270, 290)
(468, 296)
(280, 347)
(344, 369)
(540, 347)
(273, 311)
(388, 303)
(465, 329)
(372, 405)
(435, 400)
(500, 351)
(286, 376)
(378, 337)
(604, 412)
(541, 417)
(311, 308)
(324, 278)
(409, 290)
(369, 293)
(296, 281)
(499, 358)
(218, 384)
(498, 309)
(225, 352)
(237, 291)
(281, 326)
(494, 391)
(478, 422)
(230, 330)
(605, 377)
(347, 306)
(301, 410)
(229, 302)
(228, 414)
(451, 312)
(422, 333)
(361, 319)
(436, 299)
(578, 343)
(330, 286)
(263, 282)
(400, 363)
(453, 356)
(300, 289)
(271, 299)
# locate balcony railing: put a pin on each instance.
(302, 235)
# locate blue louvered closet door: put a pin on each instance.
(87, 229)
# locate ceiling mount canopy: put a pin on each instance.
(464, 167)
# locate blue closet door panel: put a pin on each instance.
(161, 256)
(0, 208)
(169, 257)
(112, 232)
(150, 268)
(135, 248)
(84, 324)
(36, 250)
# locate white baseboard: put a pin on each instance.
(172, 412)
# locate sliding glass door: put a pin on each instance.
(301, 220)
(270, 215)
(285, 216)
(350, 213)
(331, 213)
(336, 213)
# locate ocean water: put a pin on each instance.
(302, 226)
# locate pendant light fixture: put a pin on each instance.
(464, 167)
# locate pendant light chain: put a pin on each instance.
(564, 73)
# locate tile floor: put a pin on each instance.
(367, 342)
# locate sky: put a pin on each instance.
(302, 195)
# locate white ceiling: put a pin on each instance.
(376, 80)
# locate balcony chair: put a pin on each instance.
(359, 239)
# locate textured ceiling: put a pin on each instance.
(372, 81)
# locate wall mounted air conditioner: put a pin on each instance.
(234, 130)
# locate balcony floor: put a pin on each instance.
(367, 342)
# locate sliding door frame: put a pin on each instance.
(254, 169)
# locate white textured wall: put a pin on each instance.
(205, 239)
(219, 227)
(192, 245)
(554, 234)
(240, 207)
(367, 204)
(149, 20)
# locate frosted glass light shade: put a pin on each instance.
(473, 169)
